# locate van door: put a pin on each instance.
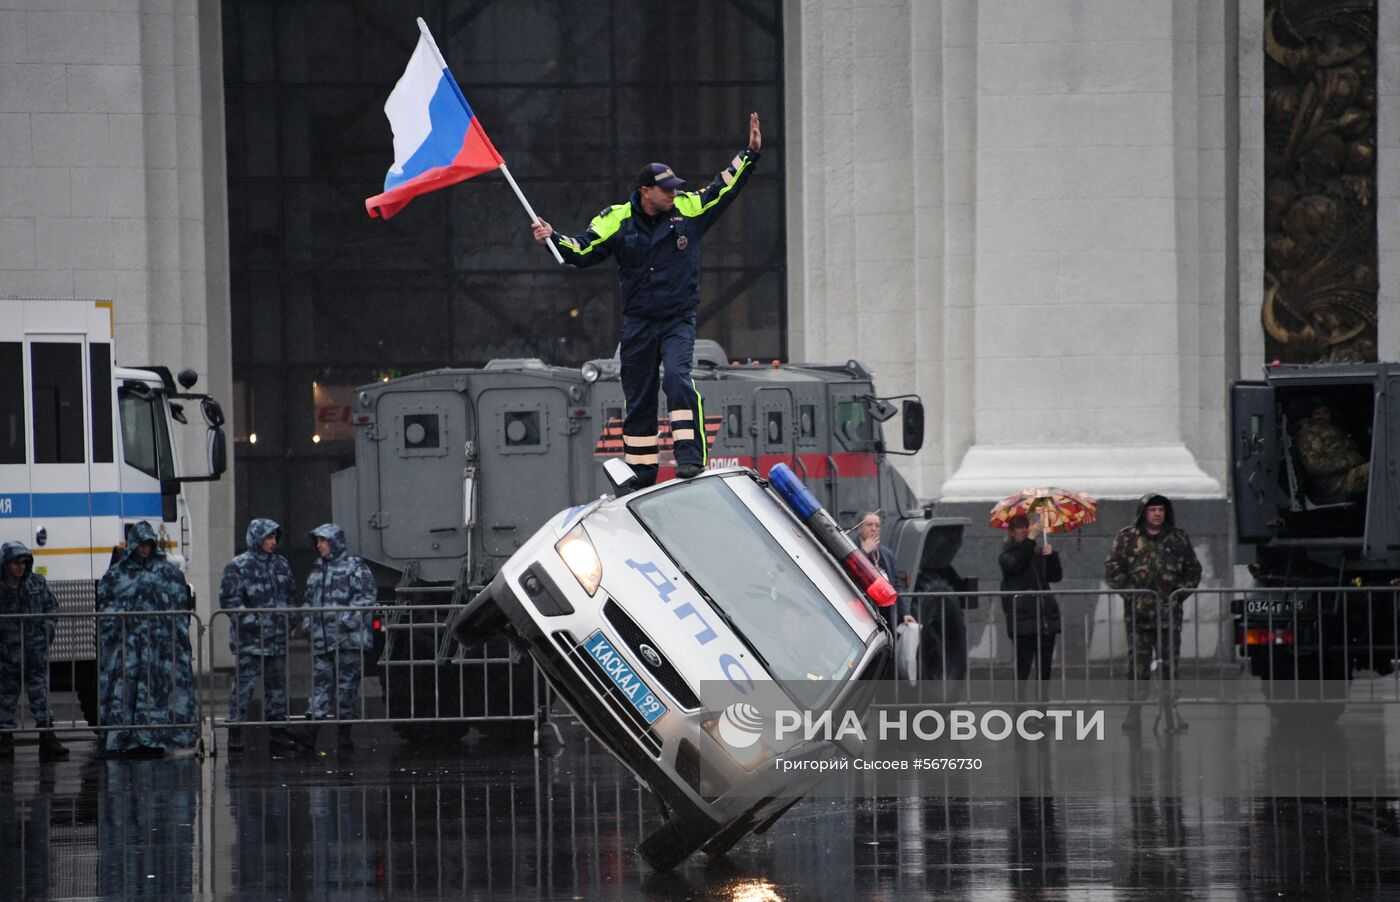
(422, 453)
(60, 493)
(1382, 518)
(14, 443)
(524, 476)
(776, 435)
(1256, 455)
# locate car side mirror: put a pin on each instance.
(617, 471)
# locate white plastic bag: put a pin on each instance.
(906, 648)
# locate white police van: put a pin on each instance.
(86, 447)
(648, 614)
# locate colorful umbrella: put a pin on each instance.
(1059, 510)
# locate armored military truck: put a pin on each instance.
(456, 468)
(1317, 506)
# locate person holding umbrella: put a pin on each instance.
(1032, 613)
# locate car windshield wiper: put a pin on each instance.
(728, 621)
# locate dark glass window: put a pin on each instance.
(775, 426)
(420, 430)
(100, 378)
(56, 369)
(522, 427)
(145, 435)
(12, 403)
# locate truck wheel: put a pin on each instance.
(1307, 699)
(671, 844)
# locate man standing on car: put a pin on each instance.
(655, 237)
(1152, 554)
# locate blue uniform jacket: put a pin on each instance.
(258, 579)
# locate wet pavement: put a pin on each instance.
(396, 820)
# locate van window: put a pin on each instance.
(12, 403)
(145, 436)
(100, 380)
(56, 369)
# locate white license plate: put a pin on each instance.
(624, 677)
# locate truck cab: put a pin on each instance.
(1317, 510)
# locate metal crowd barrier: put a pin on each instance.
(85, 678)
(1278, 646)
(421, 679)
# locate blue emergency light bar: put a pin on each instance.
(802, 502)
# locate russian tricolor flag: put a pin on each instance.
(437, 140)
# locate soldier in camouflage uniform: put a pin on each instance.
(144, 662)
(1334, 467)
(259, 578)
(339, 639)
(24, 648)
(1152, 554)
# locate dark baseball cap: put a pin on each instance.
(660, 176)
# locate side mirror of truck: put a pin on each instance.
(913, 420)
(218, 452)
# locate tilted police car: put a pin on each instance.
(649, 614)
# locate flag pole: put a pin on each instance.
(423, 27)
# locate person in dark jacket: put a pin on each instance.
(655, 238)
(1032, 613)
(146, 677)
(259, 578)
(883, 559)
(24, 648)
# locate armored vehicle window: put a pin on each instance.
(57, 371)
(522, 427)
(421, 430)
(807, 421)
(775, 426)
(611, 413)
(100, 380)
(852, 422)
(11, 403)
(734, 421)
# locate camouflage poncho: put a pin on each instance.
(1162, 563)
(145, 673)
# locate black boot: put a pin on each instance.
(343, 742)
(235, 740)
(1133, 722)
(7, 744)
(281, 744)
(50, 749)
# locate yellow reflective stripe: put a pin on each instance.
(700, 410)
(44, 552)
(644, 459)
(683, 435)
(689, 202)
(603, 226)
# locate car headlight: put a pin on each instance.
(579, 555)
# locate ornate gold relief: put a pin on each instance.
(1320, 250)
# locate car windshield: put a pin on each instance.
(777, 610)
